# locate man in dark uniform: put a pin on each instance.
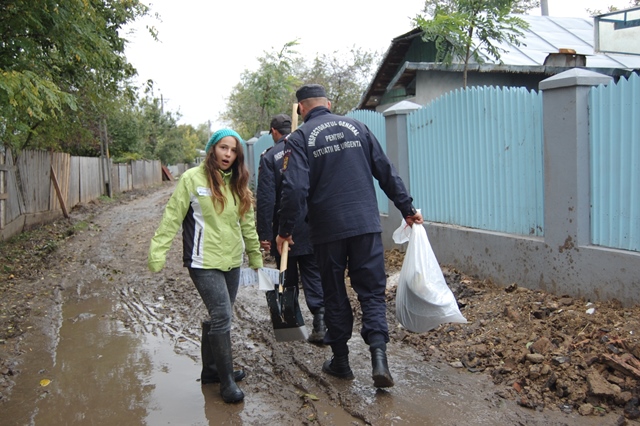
(268, 202)
(328, 172)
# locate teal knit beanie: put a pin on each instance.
(215, 138)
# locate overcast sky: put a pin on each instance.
(205, 45)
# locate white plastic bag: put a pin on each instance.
(423, 299)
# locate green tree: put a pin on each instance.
(178, 145)
(155, 123)
(125, 127)
(523, 6)
(271, 89)
(263, 93)
(59, 60)
(78, 131)
(462, 29)
(137, 128)
(344, 76)
(203, 131)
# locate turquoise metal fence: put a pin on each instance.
(263, 143)
(476, 160)
(614, 136)
(376, 123)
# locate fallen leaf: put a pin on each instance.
(45, 382)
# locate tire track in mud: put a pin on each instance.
(114, 251)
(297, 365)
(168, 304)
(284, 383)
(287, 372)
(144, 315)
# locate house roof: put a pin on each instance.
(546, 34)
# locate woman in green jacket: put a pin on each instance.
(214, 206)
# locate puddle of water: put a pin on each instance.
(103, 374)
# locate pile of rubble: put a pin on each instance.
(545, 351)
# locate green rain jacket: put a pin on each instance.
(210, 240)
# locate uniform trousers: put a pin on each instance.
(363, 257)
(305, 268)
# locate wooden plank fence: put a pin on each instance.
(11, 201)
(91, 181)
(60, 165)
(29, 195)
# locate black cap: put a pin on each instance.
(310, 91)
(282, 123)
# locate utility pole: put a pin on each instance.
(544, 7)
(104, 158)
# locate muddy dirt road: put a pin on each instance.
(108, 342)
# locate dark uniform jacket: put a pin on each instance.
(268, 202)
(330, 169)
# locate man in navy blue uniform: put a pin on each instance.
(301, 255)
(328, 173)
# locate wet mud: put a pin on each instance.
(116, 344)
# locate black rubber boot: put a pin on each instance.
(338, 366)
(209, 372)
(381, 374)
(221, 348)
(319, 328)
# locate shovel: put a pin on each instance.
(288, 324)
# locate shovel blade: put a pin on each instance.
(288, 324)
(290, 307)
(291, 334)
(275, 308)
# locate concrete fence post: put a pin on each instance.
(250, 160)
(566, 157)
(398, 152)
(563, 261)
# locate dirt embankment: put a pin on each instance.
(544, 351)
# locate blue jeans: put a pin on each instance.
(218, 291)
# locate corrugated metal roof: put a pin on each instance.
(546, 34)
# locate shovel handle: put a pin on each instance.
(284, 256)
